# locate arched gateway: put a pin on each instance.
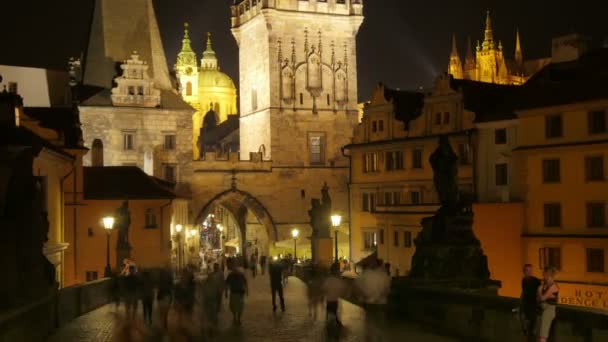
(243, 214)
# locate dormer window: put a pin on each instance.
(134, 87)
(131, 90)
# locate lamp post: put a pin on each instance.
(336, 220)
(294, 234)
(178, 235)
(108, 224)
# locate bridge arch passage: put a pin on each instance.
(250, 216)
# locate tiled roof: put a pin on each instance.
(489, 102)
(64, 120)
(123, 182)
(22, 136)
(216, 134)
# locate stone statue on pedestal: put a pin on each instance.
(320, 221)
(446, 248)
(122, 222)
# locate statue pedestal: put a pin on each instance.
(122, 254)
(323, 252)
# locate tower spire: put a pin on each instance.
(519, 57)
(488, 42)
(455, 65)
(454, 47)
(209, 61)
(469, 61)
(186, 44)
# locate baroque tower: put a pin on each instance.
(186, 70)
(298, 78)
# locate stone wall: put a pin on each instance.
(478, 317)
(77, 300)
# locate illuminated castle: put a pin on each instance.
(489, 64)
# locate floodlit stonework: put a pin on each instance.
(298, 93)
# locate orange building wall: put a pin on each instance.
(498, 227)
(151, 247)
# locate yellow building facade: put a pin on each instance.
(204, 87)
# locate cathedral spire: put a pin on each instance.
(519, 57)
(469, 62)
(488, 42)
(186, 44)
(209, 61)
(455, 65)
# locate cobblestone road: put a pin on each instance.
(259, 323)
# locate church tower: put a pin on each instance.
(298, 78)
(186, 70)
(491, 65)
(455, 65)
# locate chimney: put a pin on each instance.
(569, 48)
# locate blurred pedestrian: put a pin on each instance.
(333, 288)
(147, 296)
(116, 290)
(236, 283)
(253, 264)
(263, 263)
(213, 288)
(164, 295)
(314, 292)
(184, 297)
(276, 284)
(131, 290)
(529, 305)
(547, 296)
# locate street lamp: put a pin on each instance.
(295, 234)
(336, 220)
(108, 224)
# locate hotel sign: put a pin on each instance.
(589, 296)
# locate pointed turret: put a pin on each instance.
(488, 42)
(455, 65)
(519, 57)
(186, 57)
(209, 61)
(120, 27)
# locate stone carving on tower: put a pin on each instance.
(287, 74)
(134, 87)
(341, 79)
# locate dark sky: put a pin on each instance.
(403, 43)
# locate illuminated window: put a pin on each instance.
(394, 160)
(316, 147)
(553, 215)
(370, 240)
(595, 260)
(370, 162)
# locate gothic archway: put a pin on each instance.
(242, 205)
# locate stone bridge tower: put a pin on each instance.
(298, 93)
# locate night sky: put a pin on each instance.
(402, 43)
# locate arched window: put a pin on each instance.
(189, 89)
(97, 153)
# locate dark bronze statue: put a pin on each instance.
(445, 172)
(320, 214)
(123, 221)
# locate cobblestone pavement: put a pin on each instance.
(259, 323)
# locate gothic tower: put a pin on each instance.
(469, 62)
(120, 27)
(455, 65)
(491, 65)
(298, 78)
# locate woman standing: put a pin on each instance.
(547, 297)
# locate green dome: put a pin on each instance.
(215, 78)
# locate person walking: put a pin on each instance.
(184, 298)
(547, 296)
(253, 264)
(276, 284)
(314, 292)
(212, 295)
(131, 289)
(528, 302)
(334, 289)
(147, 296)
(164, 296)
(236, 284)
(263, 264)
